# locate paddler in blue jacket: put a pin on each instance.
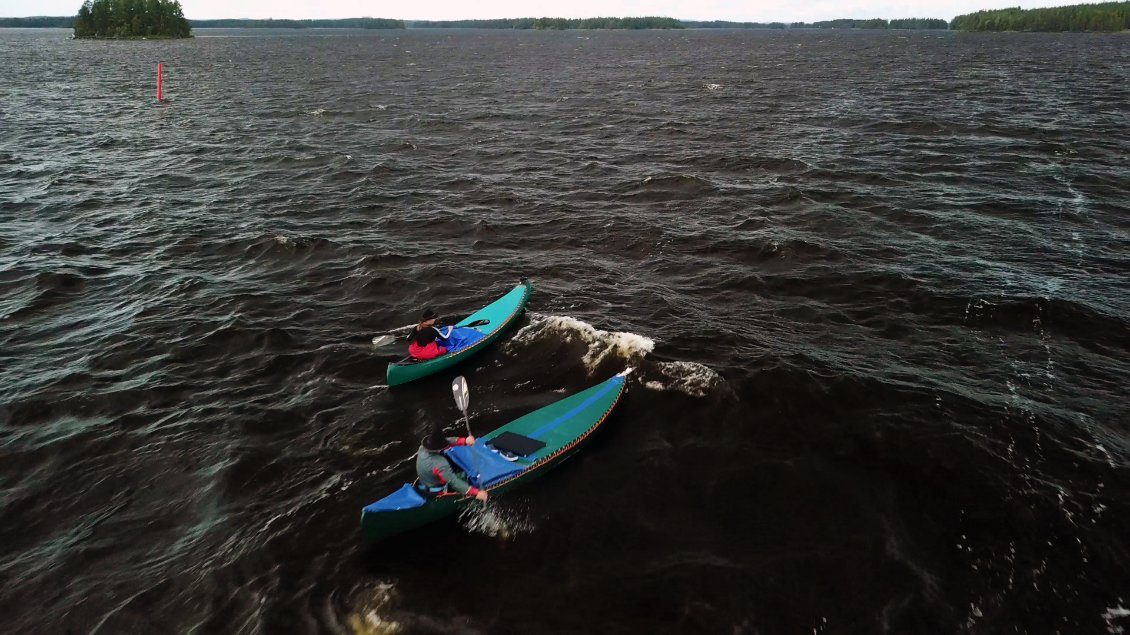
(437, 474)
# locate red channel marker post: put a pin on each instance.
(159, 82)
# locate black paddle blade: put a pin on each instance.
(478, 323)
(461, 393)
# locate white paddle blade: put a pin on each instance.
(382, 340)
(461, 393)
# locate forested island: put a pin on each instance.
(124, 19)
(1106, 17)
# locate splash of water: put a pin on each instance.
(495, 521)
(690, 378)
(599, 344)
(367, 620)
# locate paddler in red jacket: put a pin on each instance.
(424, 338)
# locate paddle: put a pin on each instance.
(462, 396)
(389, 338)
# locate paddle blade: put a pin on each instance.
(461, 393)
(382, 340)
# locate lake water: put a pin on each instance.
(876, 287)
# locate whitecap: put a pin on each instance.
(1115, 613)
(599, 344)
(690, 378)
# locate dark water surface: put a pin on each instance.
(876, 287)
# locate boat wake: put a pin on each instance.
(571, 337)
(599, 346)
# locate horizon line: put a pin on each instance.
(526, 17)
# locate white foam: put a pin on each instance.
(495, 521)
(1114, 613)
(367, 619)
(690, 378)
(600, 344)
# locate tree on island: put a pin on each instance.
(131, 19)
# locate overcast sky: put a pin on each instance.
(739, 10)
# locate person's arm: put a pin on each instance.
(442, 334)
(454, 480)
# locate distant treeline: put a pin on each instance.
(724, 24)
(381, 23)
(38, 22)
(918, 23)
(348, 23)
(518, 23)
(131, 19)
(551, 24)
(671, 23)
(46, 22)
(875, 23)
(1108, 16)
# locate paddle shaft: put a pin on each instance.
(388, 338)
(474, 457)
(467, 423)
(462, 394)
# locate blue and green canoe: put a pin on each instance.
(498, 315)
(563, 427)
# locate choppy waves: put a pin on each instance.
(873, 287)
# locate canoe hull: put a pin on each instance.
(573, 420)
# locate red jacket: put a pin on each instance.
(431, 351)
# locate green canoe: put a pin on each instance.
(563, 427)
(498, 315)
